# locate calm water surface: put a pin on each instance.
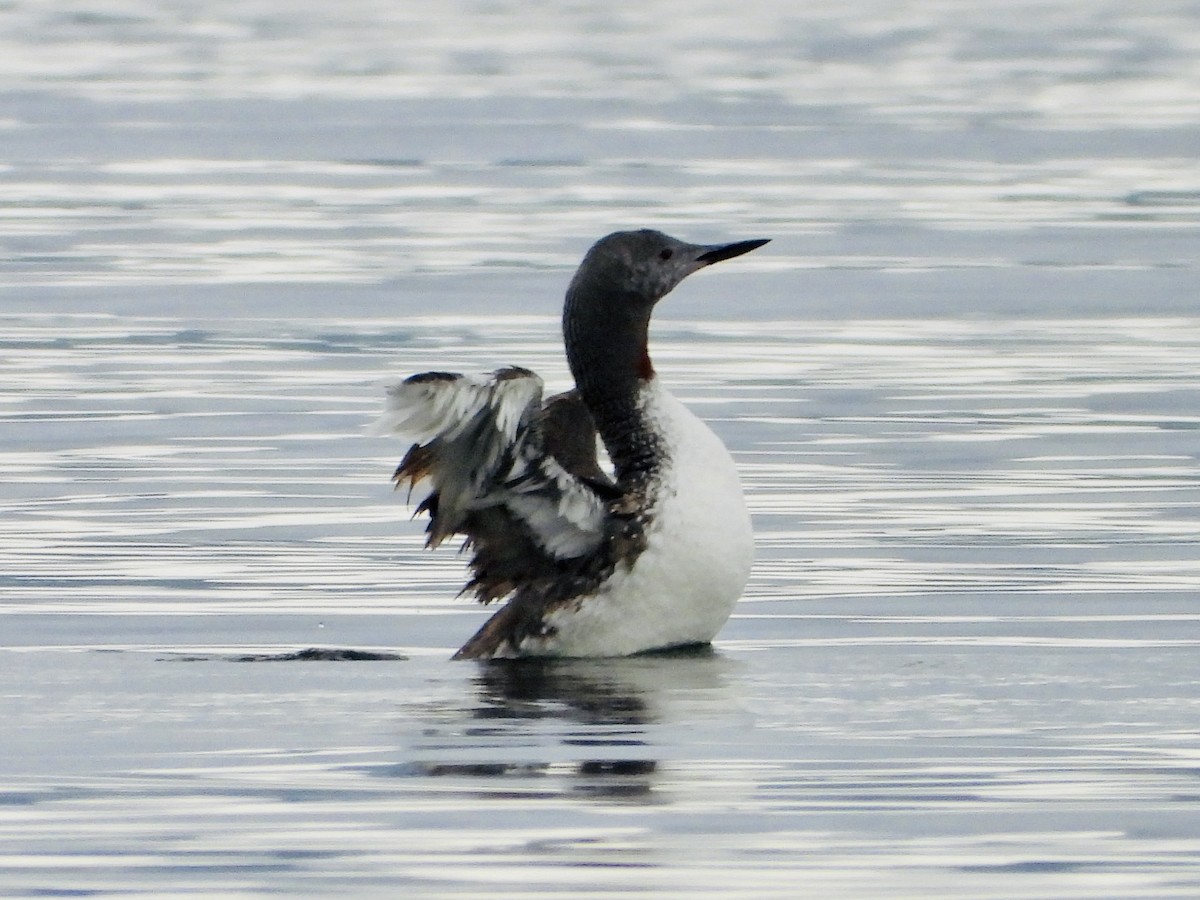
(962, 385)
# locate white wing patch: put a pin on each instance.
(477, 446)
(441, 405)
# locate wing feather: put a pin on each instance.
(480, 448)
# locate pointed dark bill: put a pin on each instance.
(718, 252)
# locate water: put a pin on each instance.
(962, 385)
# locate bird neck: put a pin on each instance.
(606, 344)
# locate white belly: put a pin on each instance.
(683, 587)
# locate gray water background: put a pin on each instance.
(962, 385)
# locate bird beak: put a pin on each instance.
(718, 252)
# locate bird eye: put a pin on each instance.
(666, 254)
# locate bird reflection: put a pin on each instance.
(537, 689)
(592, 721)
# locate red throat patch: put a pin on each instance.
(645, 368)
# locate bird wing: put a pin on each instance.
(485, 447)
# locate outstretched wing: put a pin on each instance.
(510, 475)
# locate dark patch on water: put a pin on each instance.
(23, 798)
(390, 163)
(1163, 198)
(1031, 866)
(311, 654)
(549, 163)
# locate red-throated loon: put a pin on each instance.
(654, 555)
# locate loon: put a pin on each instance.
(651, 556)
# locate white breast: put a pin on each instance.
(684, 585)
